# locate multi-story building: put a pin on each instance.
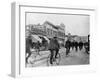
(55, 30)
(61, 32)
(36, 29)
(51, 30)
(47, 29)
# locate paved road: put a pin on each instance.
(74, 58)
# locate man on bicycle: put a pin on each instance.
(53, 47)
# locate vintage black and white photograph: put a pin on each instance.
(56, 39)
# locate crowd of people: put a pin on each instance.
(76, 45)
(55, 46)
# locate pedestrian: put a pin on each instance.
(76, 46)
(28, 47)
(73, 44)
(37, 46)
(53, 47)
(87, 47)
(67, 46)
(80, 45)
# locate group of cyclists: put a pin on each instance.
(77, 45)
(54, 47)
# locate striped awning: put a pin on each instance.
(35, 38)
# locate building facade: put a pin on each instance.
(47, 29)
(51, 30)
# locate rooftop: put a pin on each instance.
(47, 22)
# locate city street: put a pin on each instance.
(73, 58)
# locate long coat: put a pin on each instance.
(67, 44)
(28, 45)
(53, 44)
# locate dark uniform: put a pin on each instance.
(76, 45)
(80, 45)
(87, 46)
(53, 46)
(67, 46)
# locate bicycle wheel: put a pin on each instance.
(57, 59)
(48, 60)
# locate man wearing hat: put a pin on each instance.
(53, 46)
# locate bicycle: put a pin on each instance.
(34, 54)
(33, 60)
(55, 61)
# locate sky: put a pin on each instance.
(75, 24)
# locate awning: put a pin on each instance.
(44, 38)
(35, 38)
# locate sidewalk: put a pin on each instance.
(39, 60)
(74, 58)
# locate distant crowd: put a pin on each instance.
(77, 46)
